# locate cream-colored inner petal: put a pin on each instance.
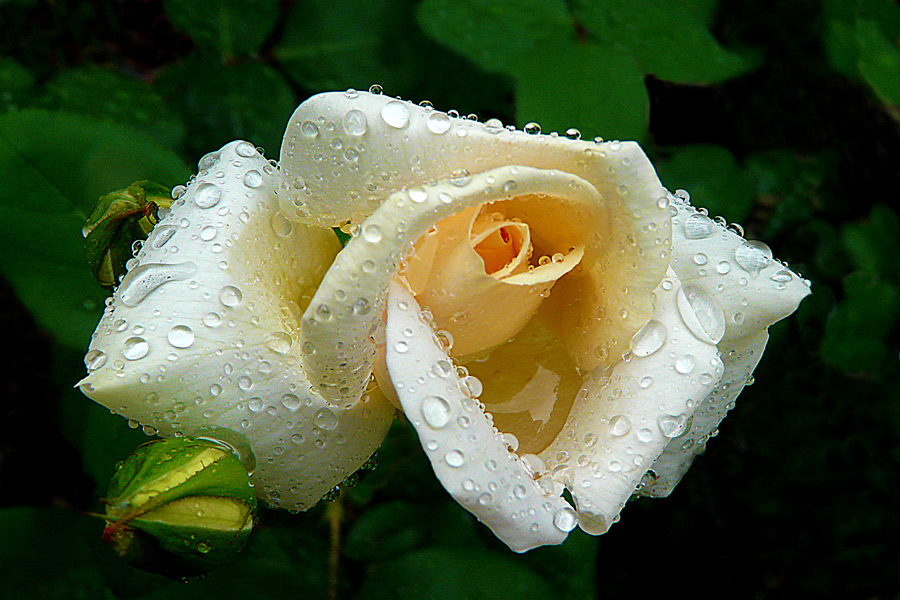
(476, 271)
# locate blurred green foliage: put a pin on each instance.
(780, 115)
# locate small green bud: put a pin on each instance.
(118, 220)
(179, 507)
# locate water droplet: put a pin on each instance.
(355, 123)
(519, 491)
(208, 161)
(700, 259)
(573, 134)
(455, 458)
(619, 425)
(215, 389)
(401, 347)
(700, 308)
(212, 319)
(473, 385)
(376, 89)
(372, 233)
(279, 342)
(208, 195)
(649, 339)
(142, 280)
(436, 411)
(395, 114)
(135, 348)
(685, 364)
(181, 336)
(485, 499)
(418, 195)
(290, 401)
(646, 382)
(255, 404)
(208, 233)
(245, 149)
(253, 178)
(673, 426)
(565, 519)
(94, 359)
(325, 419)
(532, 128)
(281, 225)
(698, 227)
(782, 276)
(309, 130)
(442, 368)
(723, 267)
(245, 383)
(230, 296)
(753, 256)
(161, 235)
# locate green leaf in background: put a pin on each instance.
(55, 166)
(230, 27)
(713, 178)
(584, 67)
(220, 103)
(454, 575)
(863, 41)
(670, 40)
(854, 339)
(115, 97)
(873, 243)
(15, 85)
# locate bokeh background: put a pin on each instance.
(781, 115)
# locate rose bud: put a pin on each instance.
(118, 220)
(180, 507)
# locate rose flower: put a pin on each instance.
(545, 314)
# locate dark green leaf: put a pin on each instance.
(874, 243)
(55, 166)
(232, 27)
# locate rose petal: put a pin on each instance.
(740, 358)
(202, 336)
(345, 153)
(624, 421)
(349, 303)
(468, 456)
(740, 276)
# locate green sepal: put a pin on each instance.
(118, 220)
(180, 507)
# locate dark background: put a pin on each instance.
(781, 115)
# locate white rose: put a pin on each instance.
(563, 321)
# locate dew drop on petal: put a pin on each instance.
(436, 411)
(230, 296)
(753, 256)
(290, 401)
(355, 123)
(181, 336)
(245, 149)
(208, 233)
(325, 419)
(454, 458)
(707, 311)
(94, 359)
(142, 280)
(619, 425)
(685, 364)
(208, 195)
(438, 123)
(395, 114)
(135, 348)
(279, 342)
(565, 519)
(649, 339)
(673, 426)
(252, 178)
(698, 227)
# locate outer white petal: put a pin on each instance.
(349, 303)
(753, 290)
(740, 358)
(624, 421)
(345, 153)
(466, 452)
(202, 336)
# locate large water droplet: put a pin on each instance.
(135, 348)
(161, 235)
(698, 308)
(619, 425)
(753, 256)
(230, 296)
(142, 280)
(181, 336)
(565, 519)
(279, 342)
(208, 195)
(94, 359)
(649, 339)
(438, 123)
(325, 419)
(355, 122)
(245, 149)
(436, 411)
(290, 401)
(281, 225)
(685, 364)
(673, 426)
(395, 114)
(253, 178)
(698, 227)
(455, 458)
